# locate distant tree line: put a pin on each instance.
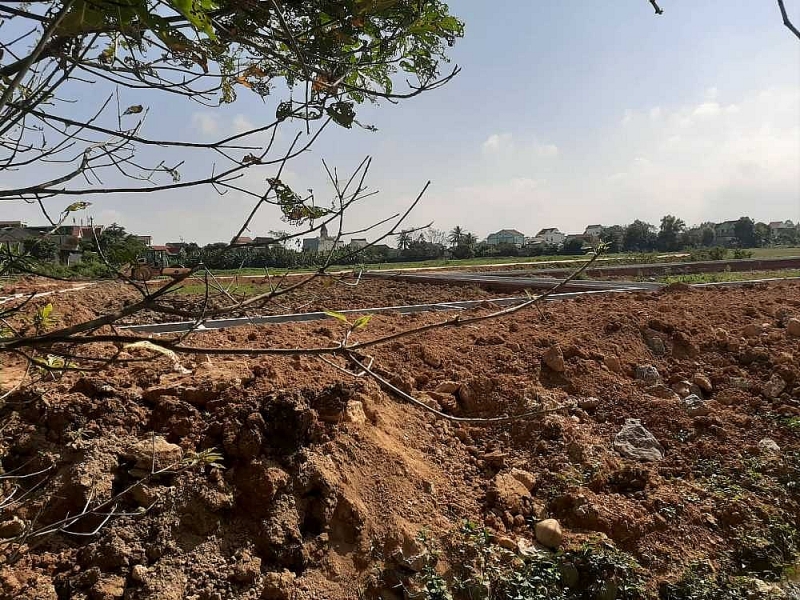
(117, 247)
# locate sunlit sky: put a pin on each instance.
(565, 113)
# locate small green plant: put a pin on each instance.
(210, 457)
(44, 318)
(52, 366)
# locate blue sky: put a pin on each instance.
(565, 113)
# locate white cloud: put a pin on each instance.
(497, 142)
(708, 160)
(506, 145)
(242, 124)
(205, 122)
(707, 109)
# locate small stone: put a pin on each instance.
(507, 493)
(634, 441)
(774, 387)
(661, 391)
(656, 345)
(647, 373)
(155, 452)
(612, 363)
(769, 446)
(752, 330)
(447, 387)
(467, 397)
(682, 388)
(507, 543)
(696, 406)
(589, 403)
(431, 359)
(247, 569)
(108, 588)
(554, 358)
(139, 573)
(354, 413)
(278, 586)
(145, 496)
(703, 382)
(548, 533)
(793, 327)
(12, 528)
(496, 459)
(524, 477)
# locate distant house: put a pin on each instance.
(147, 240)
(242, 240)
(781, 228)
(584, 238)
(594, 231)
(12, 224)
(506, 236)
(358, 243)
(725, 233)
(551, 235)
(323, 243)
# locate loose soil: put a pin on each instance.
(326, 481)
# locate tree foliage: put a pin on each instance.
(669, 234)
(320, 58)
(117, 246)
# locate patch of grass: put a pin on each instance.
(778, 252)
(730, 276)
(544, 260)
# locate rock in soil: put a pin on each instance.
(507, 492)
(554, 358)
(695, 406)
(647, 373)
(661, 391)
(447, 387)
(549, 534)
(12, 528)
(774, 387)
(613, 363)
(793, 327)
(703, 382)
(769, 446)
(154, 453)
(278, 586)
(524, 477)
(634, 441)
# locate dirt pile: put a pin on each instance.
(284, 478)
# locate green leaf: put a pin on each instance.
(361, 322)
(195, 12)
(342, 113)
(337, 315)
(77, 206)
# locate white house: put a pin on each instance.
(506, 236)
(551, 235)
(594, 231)
(323, 243)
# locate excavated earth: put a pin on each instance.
(325, 485)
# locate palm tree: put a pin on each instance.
(455, 236)
(469, 240)
(403, 240)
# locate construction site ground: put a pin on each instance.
(328, 485)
